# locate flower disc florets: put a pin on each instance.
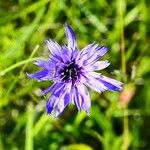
(70, 72)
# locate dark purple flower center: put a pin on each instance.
(70, 72)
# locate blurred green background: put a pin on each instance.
(118, 121)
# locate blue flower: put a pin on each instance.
(72, 71)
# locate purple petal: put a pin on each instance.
(71, 38)
(53, 46)
(62, 104)
(111, 84)
(46, 73)
(61, 65)
(39, 75)
(82, 98)
(51, 103)
(56, 59)
(91, 53)
(88, 50)
(48, 65)
(108, 83)
(42, 75)
(57, 88)
(93, 83)
(72, 95)
(60, 98)
(42, 63)
(64, 99)
(99, 52)
(66, 54)
(78, 100)
(54, 88)
(54, 98)
(75, 55)
(55, 50)
(48, 89)
(99, 65)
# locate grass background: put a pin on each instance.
(118, 121)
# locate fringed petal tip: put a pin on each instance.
(57, 114)
(67, 27)
(121, 87)
(39, 62)
(47, 41)
(71, 37)
(88, 113)
(45, 91)
(113, 86)
(103, 50)
(29, 75)
(49, 109)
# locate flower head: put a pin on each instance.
(71, 71)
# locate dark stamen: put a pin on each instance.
(70, 72)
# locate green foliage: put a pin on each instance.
(117, 120)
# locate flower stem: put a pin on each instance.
(3, 72)
(125, 130)
(24, 62)
(122, 44)
(122, 4)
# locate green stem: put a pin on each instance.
(31, 56)
(123, 69)
(122, 44)
(29, 140)
(125, 130)
(16, 65)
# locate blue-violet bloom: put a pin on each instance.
(71, 70)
